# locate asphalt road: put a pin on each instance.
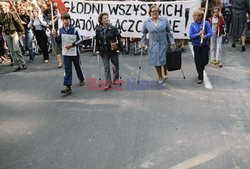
(177, 126)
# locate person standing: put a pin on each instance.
(38, 24)
(56, 50)
(160, 38)
(3, 59)
(200, 47)
(211, 5)
(12, 29)
(28, 36)
(68, 29)
(108, 44)
(217, 22)
(238, 27)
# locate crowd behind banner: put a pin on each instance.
(33, 21)
(33, 39)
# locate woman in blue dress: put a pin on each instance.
(160, 37)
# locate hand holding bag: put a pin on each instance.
(113, 45)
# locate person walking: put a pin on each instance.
(217, 22)
(68, 58)
(38, 24)
(238, 28)
(28, 36)
(13, 27)
(200, 47)
(108, 45)
(160, 38)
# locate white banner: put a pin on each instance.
(128, 16)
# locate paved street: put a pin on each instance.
(182, 125)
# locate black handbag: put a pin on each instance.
(174, 58)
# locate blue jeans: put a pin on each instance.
(68, 69)
(12, 41)
(27, 41)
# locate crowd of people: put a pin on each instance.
(21, 21)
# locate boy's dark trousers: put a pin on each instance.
(68, 69)
(201, 59)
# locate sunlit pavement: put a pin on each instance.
(179, 125)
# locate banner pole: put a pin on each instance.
(52, 15)
(204, 19)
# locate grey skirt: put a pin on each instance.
(238, 26)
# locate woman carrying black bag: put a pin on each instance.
(108, 44)
(160, 38)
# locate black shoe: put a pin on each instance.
(199, 81)
(233, 45)
(66, 90)
(12, 64)
(81, 83)
(17, 69)
(243, 48)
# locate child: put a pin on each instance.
(69, 30)
(201, 49)
(217, 22)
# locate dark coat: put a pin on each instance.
(112, 34)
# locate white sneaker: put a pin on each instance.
(160, 81)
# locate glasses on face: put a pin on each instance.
(154, 11)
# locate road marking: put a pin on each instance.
(206, 80)
(237, 69)
(147, 164)
(200, 159)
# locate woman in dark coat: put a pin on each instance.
(238, 27)
(108, 44)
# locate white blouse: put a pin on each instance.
(37, 23)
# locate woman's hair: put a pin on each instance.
(65, 16)
(199, 12)
(216, 8)
(100, 17)
(36, 9)
(151, 8)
